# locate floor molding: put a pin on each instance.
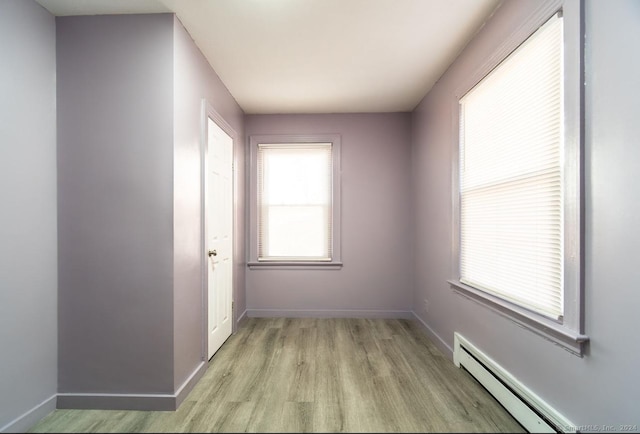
(435, 338)
(327, 313)
(131, 401)
(24, 422)
(189, 384)
(117, 401)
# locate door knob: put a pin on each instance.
(213, 253)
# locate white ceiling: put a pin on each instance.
(317, 56)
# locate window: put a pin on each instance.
(511, 141)
(518, 224)
(296, 201)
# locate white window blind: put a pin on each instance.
(295, 202)
(511, 177)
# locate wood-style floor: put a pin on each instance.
(317, 375)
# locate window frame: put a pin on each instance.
(567, 332)
(294, 139)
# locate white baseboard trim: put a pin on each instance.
(435, 338)
(327, 313)
(132, 401)
(27, 420)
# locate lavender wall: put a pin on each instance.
(130, 98)
(28, 247)
(376, 279)
(600, 388)
(115, 204)
(194, 79)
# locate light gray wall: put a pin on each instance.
(115, 203)
(602, 387)
(28, 247)
(376, 278)
(195, 79)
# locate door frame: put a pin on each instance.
(209, 112)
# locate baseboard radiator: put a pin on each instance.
(526, 407)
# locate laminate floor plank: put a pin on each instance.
(316, 375)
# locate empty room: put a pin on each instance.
(319, 215)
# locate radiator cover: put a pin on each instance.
(526, 407)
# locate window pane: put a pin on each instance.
(297, 231)
(296, 176)
(511, 242)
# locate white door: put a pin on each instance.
(219, 242)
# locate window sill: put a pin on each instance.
(294, 265)
(557, 333)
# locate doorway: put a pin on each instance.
(218, 231)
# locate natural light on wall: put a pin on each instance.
(294, 202)
(511, 177)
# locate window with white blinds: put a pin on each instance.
(511, 177)
(294, 197)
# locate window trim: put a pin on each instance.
(569, 332)
(293, 139)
